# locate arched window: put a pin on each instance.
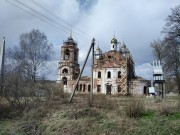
(119, 74)
(66, 54)
(84, 87)
(99, 74)
(108, 74)
(89, 88)
(64, 79)
(80, 87)
(65, 71)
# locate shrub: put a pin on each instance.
(134, 108)
(168, 109)
(102, 101)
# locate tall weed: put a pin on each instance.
(134, 108)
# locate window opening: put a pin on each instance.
(109, 74)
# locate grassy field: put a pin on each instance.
(109, 115)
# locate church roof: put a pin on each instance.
(70, 41)
(114, 40)
(124, 49)
(110, 59)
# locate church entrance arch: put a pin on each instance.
(64, 79)
(108, 89)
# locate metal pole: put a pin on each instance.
(179, 53)
(162, 91)
(70, 100)
(2, 66)
(92, 86)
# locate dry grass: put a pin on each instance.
(105, 117)
(135, 107)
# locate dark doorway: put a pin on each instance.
(108, 89)
(119, 88)
(89, 88)
(145, 90)
(64, 79)
(98, 88)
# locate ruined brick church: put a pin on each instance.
(113, 71)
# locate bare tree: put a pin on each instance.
(22, 66)
(36, 51)
(158, 48)
(172, 26)
(167, 49)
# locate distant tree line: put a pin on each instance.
(167, 49)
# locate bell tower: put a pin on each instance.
(68, 68)
(114, 43)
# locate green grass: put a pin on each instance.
(149, 115)
(3, 127)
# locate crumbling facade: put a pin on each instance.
(113, 71)
(68, 69)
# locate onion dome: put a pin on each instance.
(124, 49)
(98, 49)
(70, 41)
(114, 40)
(98, 53)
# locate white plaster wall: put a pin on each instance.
(103, 81)
(115, 46)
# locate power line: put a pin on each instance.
(40, 6)
(33, 15)
(40, 16)
(50, 12)
(47, 19)
(64, 27)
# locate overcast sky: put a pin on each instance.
(135, 22)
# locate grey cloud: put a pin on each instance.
(136, 22)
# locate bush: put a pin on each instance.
(102, 101)
(134, 108)
(168, 109)
(7, 112)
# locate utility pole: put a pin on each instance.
(2, 57)
(179, 53)
(92, 67)
(75, 87)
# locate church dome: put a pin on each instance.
(70, 39)
(123, 46)
(124, 49)
(98, 49)
(114, 40)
